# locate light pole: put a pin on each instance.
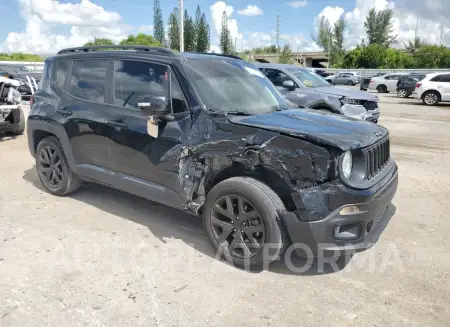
(181, 27)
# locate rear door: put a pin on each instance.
(341, 78)
(146, 165)
(444, 87)
(81, 110)
(391, 82)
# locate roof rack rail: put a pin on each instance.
(118, 47)
(219, 55)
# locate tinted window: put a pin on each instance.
(445, 78)
(44, 83)
(178, 100)
(61, 73)
(134, 79)
(277, 77)
(436, 78)
(88, 79)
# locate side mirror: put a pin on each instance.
(154, 105)
(289, 84)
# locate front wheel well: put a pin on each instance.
(261, 173)
(39, 135)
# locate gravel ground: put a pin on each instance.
(104, 258)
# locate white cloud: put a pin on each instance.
(251, 11)
(147, 29)
(298, 4)
(85, 20)
(299, 42)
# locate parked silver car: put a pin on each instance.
(343, 78)
(307, 89)
(386, 83)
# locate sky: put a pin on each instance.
(45, 26)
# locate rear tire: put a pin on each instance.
(350, 83)
(382, 88)
(402, 93)
(243, 212)
(53, 169)
(431, 98)
(19, 119)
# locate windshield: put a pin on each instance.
(226, 85)
(308, 78)
(16, 69)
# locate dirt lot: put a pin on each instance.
(105, 258)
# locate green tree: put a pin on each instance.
(189, 33)
(203, 42)
(432, 56)
(352, 58)
(197, 21)
(324, 35)
(286, 55)
(18, 56)
(158, 24)
(225, 38)
(99, 41)
(380, 27)
(337, 47)
(413, 46)
(141, 39)
(174, 30)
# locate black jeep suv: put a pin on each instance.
(210, 135)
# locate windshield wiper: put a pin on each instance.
(238, 113)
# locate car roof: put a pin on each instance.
(437, 73)
(142, 51)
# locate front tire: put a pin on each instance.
(431, 98)
(53, 170)
(350, 83)
(242, 217)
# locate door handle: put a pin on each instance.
(65, 112)
(118, 125)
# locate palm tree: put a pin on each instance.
(413, 46)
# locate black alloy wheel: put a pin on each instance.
(237, 226)
(53, 169)
(50, 167)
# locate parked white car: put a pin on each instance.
(386, 83)
(434, 88)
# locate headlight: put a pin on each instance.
(350, 101)
(347, 164)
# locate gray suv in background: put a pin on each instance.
(306, 89)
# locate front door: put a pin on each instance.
(146, 165)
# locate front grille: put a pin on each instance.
(377, 156)
(370, 105)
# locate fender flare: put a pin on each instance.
(57, 130)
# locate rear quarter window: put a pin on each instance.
(61, 73)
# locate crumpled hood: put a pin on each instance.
(335, 130)
(343, 92)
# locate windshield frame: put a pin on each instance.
(290, 72)
(193, 65)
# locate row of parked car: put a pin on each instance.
(430, 88)
(210, 135)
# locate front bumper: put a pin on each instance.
(336, 234)
(360, 112)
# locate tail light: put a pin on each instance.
(418, 85)
(371, 81)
